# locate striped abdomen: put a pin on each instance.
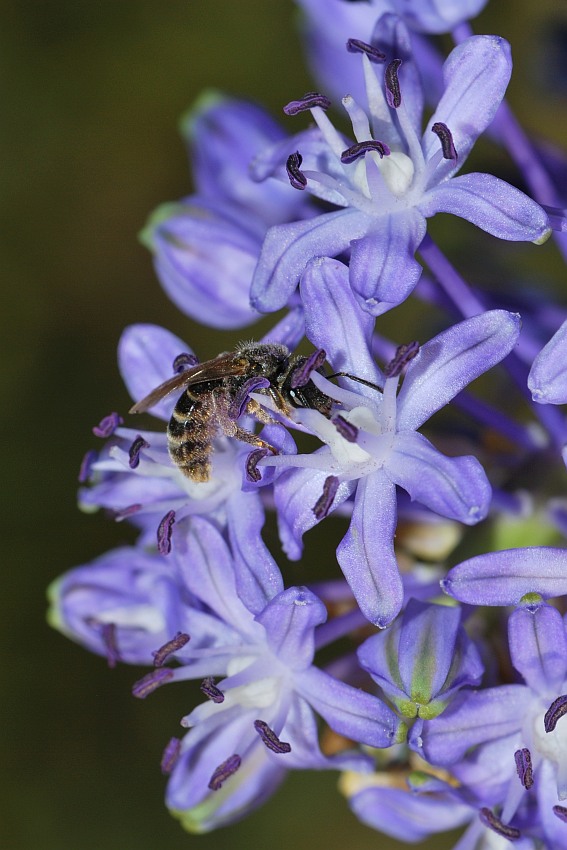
(190, 432)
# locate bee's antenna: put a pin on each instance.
(355, 378)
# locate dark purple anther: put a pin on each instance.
(355, 45)
(445, 137)
(170, 756)
(162, 654)
(302, 373)
(270, 738)
(240, 400)
(164, 531)
(150, 683)
(555, 711)
(560, 812)
(134, 451)
(295, 176)
(107, 426)
(490, 820)
(86, 466)
(403, 355)
(224, 771)
(253, 474)
(184, 361)
(108, 634)
(523, 761)
(324, 502)
(124, 513)
(345, 429)
(310, 100)
(393, 92)
(211, 691)
(360, 148)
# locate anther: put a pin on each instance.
(360, 148)
(310, 100)
(324, 502)
(253, 474)
(164, 531)
(240, 400)
(86, 465)
(295, 176)
(560, 812)
(393, 92)
(523, 761)
(151, 682)
(108, 634)
(446, 138)
(494, 823)
(355, 45)
(124, 513)
(403, 355)
(184, 361)
(224, 771)
(346, 429)
(170, 756)
(301, 375)
(107, 426)
(162, 654)
(211, 691)
(134, 451)
(554, 713)
(270, 738)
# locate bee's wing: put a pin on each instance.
(209, 370)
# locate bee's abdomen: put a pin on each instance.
(189, 438)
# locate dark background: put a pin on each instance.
(90, 100)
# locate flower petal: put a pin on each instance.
(547, 380)
(491, 204)
(503, 578)
(538, 647)
(366, 552)
(290, 620)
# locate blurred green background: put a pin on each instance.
(91, 95)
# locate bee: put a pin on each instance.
(216, 392)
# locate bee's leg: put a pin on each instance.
(252, 440)
(260, 413)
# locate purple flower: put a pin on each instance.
(259, 719)
(547, 380)
(393, 179)
(206, 246)
(373, 445)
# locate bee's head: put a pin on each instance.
(267, 359)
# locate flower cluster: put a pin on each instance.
(449, 713)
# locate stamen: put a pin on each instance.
(494, 823)
(86, 465)
(162, 654)
(560, 812)
(393, 92)
(252, 472)
(184, 361)
(164, 532)
(211, 691)
(310, 100)
(107, 426)
(170, 756)
(108, 634)
(555, 711)
(301, 375)
(224, 771)
(446, 138)
(523, 761)
(403, 355)
(270, 738)
(240, 400)
(124, 513)
(151, 682)
(355, 45)
(296, 177)
(345, 429)
(324, 502)
(134, 451)
(362, 148)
